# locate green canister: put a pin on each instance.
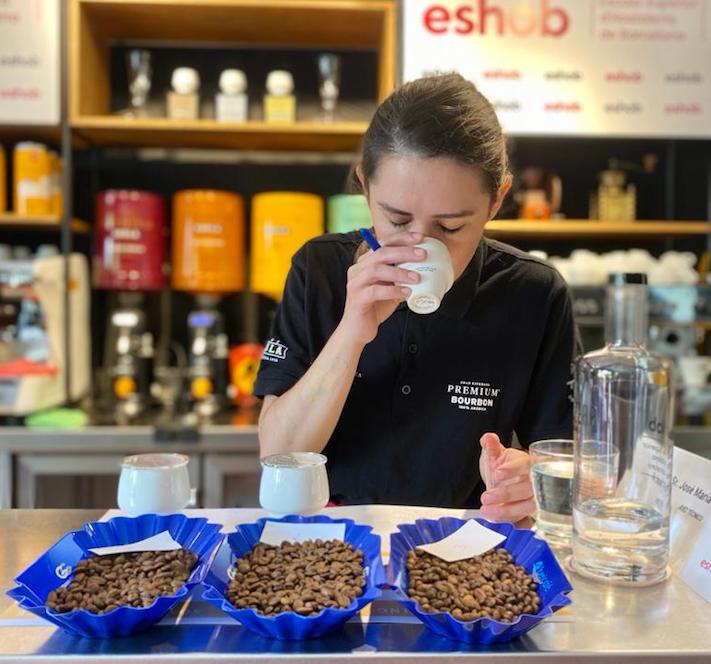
(348, 212)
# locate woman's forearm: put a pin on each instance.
(303, 418)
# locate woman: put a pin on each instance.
(408, 408)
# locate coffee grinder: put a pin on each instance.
(208, 262)
(129, 260)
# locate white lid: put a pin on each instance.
(280, 82)
(185, 80)
(294, 460)
(30, 145)
(233, 81)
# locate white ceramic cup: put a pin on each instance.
(293, 483)
(436, 277)
(695, 370)
(154, 483)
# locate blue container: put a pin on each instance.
(290, 625)
(53, 570)
(532, 553)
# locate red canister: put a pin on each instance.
(129, 252)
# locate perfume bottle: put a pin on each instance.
(623, 452)
(231, 101)
(183, 100)
(279, 102)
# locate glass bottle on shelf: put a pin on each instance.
(231, 101)
(280, 102)
(183, 101)
(623, 452)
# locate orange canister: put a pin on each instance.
(32, 179)
(3, 177)
(208, 241)
(282, 221)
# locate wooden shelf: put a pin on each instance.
(40, 223)
(583, 228)
(109, 131)
(51, 134)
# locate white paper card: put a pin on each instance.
(690, 530)
(275, 533)
(472, 539)
(160, 542)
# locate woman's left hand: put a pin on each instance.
(507, 475)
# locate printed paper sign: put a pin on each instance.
(275, 533)
(573, 67)
(160, 542)
(29, 62)
(691, 521)
(472, 539)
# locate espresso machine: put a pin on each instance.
(208, 262)
(33, 359)
(129, 263)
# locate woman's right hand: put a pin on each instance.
(374, 285)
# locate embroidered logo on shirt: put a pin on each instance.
(274, 350)
(473, 395)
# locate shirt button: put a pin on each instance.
(412, 348)
(406, 389)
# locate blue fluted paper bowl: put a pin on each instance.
(530, 552)
(291, 625)
(53, 569)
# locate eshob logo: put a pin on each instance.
(489, 17)
(274, 351)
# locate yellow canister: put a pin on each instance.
(282, 221)
(56, 197)
(208, 241)
(3, 179)
(32, 177)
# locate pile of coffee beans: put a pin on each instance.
(102, 583)
(486, 586)
(302, 577)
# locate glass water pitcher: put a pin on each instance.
(623, 452)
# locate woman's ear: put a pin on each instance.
(361, 179)
(500, 195)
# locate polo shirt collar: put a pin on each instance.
(459, 298)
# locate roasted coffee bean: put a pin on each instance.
(305, 577)
(490, 586)
(103, 583)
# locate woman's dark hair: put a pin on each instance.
(442, 115)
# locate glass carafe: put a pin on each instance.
(623, 452)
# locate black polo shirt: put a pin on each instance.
(496, 356)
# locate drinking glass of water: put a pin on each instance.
(552, 478)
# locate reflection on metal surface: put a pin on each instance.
(603, 623)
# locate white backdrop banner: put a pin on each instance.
(567, 67)
(29, 62)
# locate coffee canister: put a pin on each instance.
(129, 251)
(208, 241)
(348, 212)
(32, 179)
(282, 221)
(3, 178)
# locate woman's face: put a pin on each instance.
(436, 196)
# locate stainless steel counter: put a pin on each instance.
(665, 623)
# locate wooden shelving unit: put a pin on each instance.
(315, 24)
(584, 228)
(51, 134)
(40, 223)
(162, 132)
